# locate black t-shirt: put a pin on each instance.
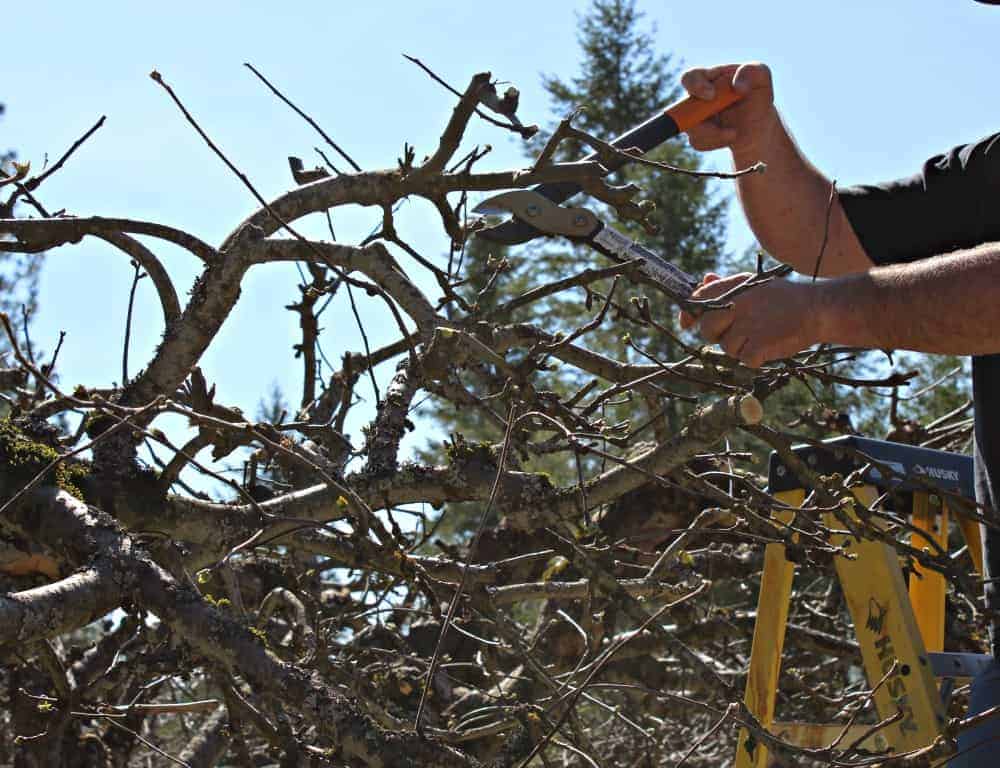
(953, 203)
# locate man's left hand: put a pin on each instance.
(767, 322)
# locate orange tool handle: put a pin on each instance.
(689, 112)
(675, 119)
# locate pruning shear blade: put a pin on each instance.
(550, 218)
(541, 213)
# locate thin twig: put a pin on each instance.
(471, 553)
(826, 229)
(30, 185)
(285, 225)
(525, 131)
(126, 422)
(112, 720)
(139, 274)
(307, 118)
(330, 165)
(730, 711)
(601, 663)
(25, 317)
(748, 171)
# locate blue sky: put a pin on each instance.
(870, 89)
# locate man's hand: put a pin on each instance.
(743, 125)
(788, 208)
(767, 322)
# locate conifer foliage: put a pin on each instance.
(570, 580)
(624, 78)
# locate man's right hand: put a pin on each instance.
(743, 125)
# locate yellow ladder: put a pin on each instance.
(893, 624)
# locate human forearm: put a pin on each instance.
(947, 304)
(787, 206)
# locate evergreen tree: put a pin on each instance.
(18, 272)
(274, 407)
(623, 80)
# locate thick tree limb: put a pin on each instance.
(373, 260)
(86, 535)
(60, 607)
(391, 423)
(453, 132)
(210, 743)
(42, 234)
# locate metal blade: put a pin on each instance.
(647, 136)
(578, 223)
(541, 213)
(516, 201)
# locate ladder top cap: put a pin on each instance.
(906, 467)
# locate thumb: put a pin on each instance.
(752, 76)
(687, 320)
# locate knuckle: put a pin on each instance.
(763, 70)
(693, 74)
(696, 136)
(710, 332)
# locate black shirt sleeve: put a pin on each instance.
(953, 203)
